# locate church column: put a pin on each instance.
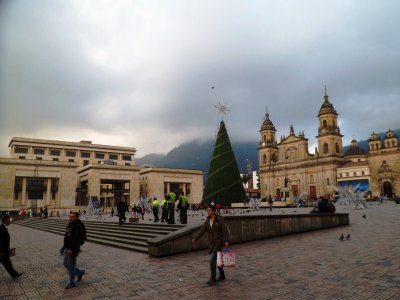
(23, 197)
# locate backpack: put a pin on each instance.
(83, 237)
(227, 229)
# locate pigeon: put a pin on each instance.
(348, 236)
(364, 216)
(341, 237)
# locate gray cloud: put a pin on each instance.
(139, 73)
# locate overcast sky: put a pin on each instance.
(140, 73)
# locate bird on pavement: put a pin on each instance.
(341, 237)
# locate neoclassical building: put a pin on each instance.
(65, 175)
(287, 169)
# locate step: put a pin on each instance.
(130, 236)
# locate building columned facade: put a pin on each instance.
(287, 169)
(65, 175)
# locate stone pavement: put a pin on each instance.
(312, 265)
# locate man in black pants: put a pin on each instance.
(75, 235)
(5, 250)
(121, 208)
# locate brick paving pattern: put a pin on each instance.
(312, 265)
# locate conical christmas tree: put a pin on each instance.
(224, 184)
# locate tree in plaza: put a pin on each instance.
(224, 184)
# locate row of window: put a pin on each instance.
(85, 162)
(347, 174)
(71, 153)
(387, 144)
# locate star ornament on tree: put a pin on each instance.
(222, 108)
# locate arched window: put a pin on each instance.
(337, 147)
(264, 159)
(372, 147)
(324, 124)
(264, 138)
(326, 148)
(273, 157)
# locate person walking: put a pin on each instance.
(218, 236)
(75, 235)
(164, 210)
(122, 208)
(154, 206)
(142, 211)
(5, 251)
(183, 206)
(270, 202)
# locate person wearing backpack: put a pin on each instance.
(75, 236)
(218, 236)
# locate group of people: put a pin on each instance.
(122, 209)
(168, 208)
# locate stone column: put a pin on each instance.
(23, 197)
(168, 188)
(94, 186)
(48, 193)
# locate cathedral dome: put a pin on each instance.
(267, 124)
(354, 150)
(327, 107)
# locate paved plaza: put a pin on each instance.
(312, 265)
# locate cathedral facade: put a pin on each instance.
(287, 169)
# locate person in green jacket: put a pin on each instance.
(171, 207)
(164, 210)
(183, 207)
(154, 206)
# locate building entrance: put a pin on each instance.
(112, 191)
(387, 189)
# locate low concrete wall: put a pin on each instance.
(244, 229)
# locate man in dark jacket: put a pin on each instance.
(73, 239)
(5, 250)
(217, 237)
(122, 208)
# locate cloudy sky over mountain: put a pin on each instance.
(140, 73)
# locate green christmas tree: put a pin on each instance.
(224, 184)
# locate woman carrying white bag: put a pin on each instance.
(218, 236)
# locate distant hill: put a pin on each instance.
(195, 155)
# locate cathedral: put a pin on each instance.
(287, 169)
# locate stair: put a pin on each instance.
(130, 236)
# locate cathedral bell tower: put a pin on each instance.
(329, 137)
(268, 151)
